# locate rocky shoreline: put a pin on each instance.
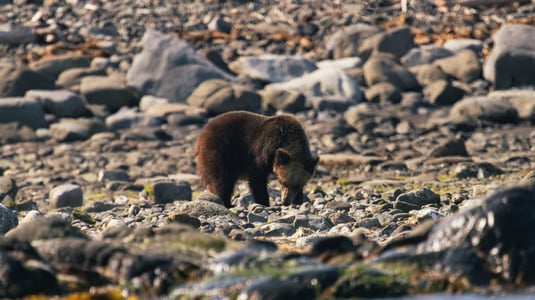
(423, 122)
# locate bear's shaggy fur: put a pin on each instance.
(246, 145)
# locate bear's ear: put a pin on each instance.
(282, 156)
(311, 163)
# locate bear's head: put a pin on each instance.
(293, 172)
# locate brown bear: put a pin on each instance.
(250, 146)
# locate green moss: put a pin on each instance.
(343, 181)
(381, 280)
(147, 189)
(96, 196)
(83, 217)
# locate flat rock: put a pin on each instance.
(170, 68)
(68, 131)
(342, 63)
(333, 83)
(61, 103)
(219, 96)
(131, 118)
(484, 108)
(18, 79)
(110, 91)
(511, 61)
(272, 68)
(24, 111)
(424, 55)
(71, 78)
(54, 65)
(457, 45)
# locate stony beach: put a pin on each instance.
(423, 121)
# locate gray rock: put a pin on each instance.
(255, 218)
(484, 108)
(8, 219)
(424, 55)
(71, 78)
(14, 132)
(18, 79)
(451, 147)
(169, 191)
(522, 100)
(219, 96)
(382, 68)
(511, 61)
(148, 101)
(8, 188)
(464, 66)
(383, 92)
(26, 112)
(288, 101)
(442, 92)
(169, 68)
(396, 41)
(342, 63)
(53, 66)
(276, 229)
(67, 195)
(457, 45)
(69, 130)
(323, 83)
(16, 35)
(478, 170)
(105, 176)
(416, 199)
(110, 91)
(316, 223)
(347, 41)
(427, 74)
(218, 23)
(61, 103)
(272, 68)
(198, 208)
(131, 118)
(369, 223)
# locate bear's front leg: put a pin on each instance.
(258, 186)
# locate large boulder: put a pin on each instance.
(168, 67)
(512, 60)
